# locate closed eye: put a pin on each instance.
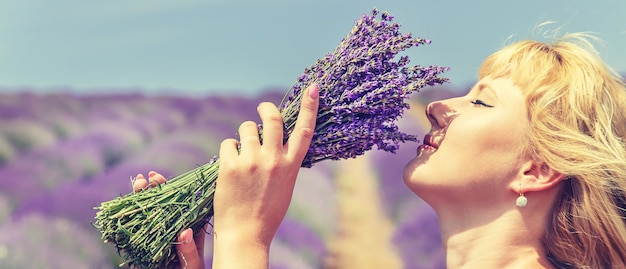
(480, 103)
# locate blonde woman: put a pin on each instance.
(528, 170)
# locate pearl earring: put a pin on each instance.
(521, 201)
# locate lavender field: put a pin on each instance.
(61, 154)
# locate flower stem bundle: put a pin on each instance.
(363, 85)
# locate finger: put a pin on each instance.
(249, 136)
(228, 150)
(272, 125)
(187, 251)
(199, 240)
(139, 183)
(155, 178)
(300, 139)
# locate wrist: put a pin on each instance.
(240, 248)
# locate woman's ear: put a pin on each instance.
(536, 176)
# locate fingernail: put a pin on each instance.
(185, 236)
(262, 104)
(314, 91)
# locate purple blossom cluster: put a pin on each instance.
(363, 85)
(418, 229)
(300, 236)
(50, 242)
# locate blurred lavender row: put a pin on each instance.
(62, 154)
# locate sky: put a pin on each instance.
(195, 47)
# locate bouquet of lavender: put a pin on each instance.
(363, 88)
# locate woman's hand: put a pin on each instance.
(190, 251)
(255, 184)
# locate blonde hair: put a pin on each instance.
(577, 114)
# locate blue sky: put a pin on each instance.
(244, 47)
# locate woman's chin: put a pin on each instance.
(410, 175)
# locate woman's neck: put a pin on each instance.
(505, 241)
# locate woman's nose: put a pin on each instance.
(440, 113)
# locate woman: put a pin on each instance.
(528, 170)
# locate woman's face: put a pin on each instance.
(473, 150)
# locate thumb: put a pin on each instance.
(187, 252)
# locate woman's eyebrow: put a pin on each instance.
(484, 87)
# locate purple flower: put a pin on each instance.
(303, 239)
(418, 237)
(41, 242)
(363, 88)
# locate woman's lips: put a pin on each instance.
(428, 140)
(426, 147)
(428, 144)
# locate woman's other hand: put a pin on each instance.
(190, 249)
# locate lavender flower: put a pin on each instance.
(37, 241)
(418, 237)
(363, 87)
(363, 90)
(301, 238)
